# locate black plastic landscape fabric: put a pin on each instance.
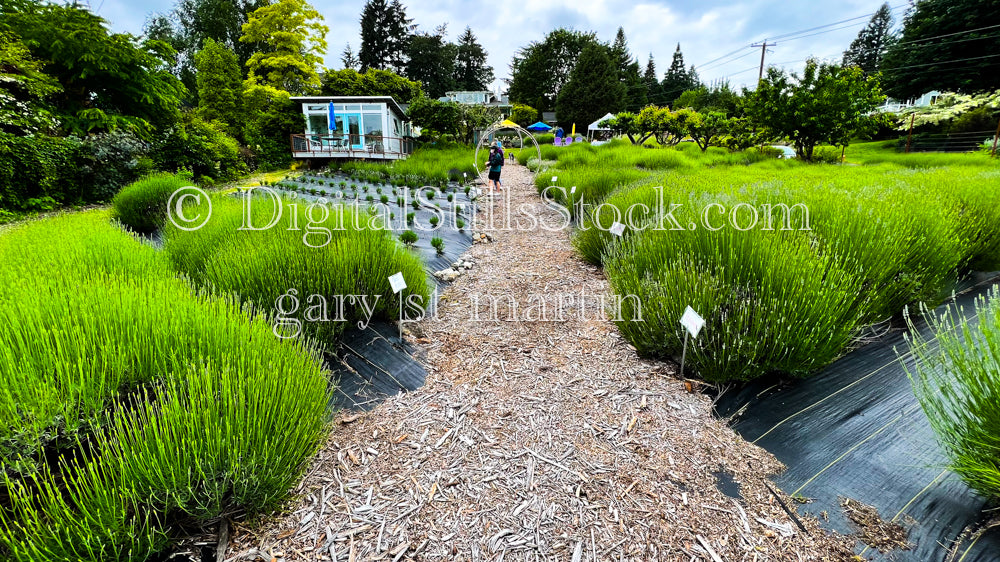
(372, 364)
(857, 431)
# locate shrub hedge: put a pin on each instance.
(131, 402)
(355, 256)
(142, 205)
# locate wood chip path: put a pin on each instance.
(534, 440)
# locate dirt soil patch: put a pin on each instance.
(872, 530)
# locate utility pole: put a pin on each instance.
(760, 76)
(763, 50)
(909, 136)
(996, 137)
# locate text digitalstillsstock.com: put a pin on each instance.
(190, 209)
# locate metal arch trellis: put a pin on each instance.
(499, 126)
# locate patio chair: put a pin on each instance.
(569, 141)
(557, 141)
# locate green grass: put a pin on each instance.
(957, 383)
(131, 402)
(426, 166)
(341, 252)
(142, 205)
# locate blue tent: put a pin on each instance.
(538, 126)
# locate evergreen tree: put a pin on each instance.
(628, 72)
(540, 70)
(431, 61)
(869, 47)
(917, 64)
(677, 79)
(471, 71)
(295, 36)
(219, 84)
(593, 89)
(384, 35)
(651, 81)
(349, 59)
(620, 55)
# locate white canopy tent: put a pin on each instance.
(596, 126)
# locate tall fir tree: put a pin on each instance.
(349, 59)
(628, 72)
(593, 89)
(651, 80)
(219, 84)
(384, 35)
(430, 60)
(869, 47)
(471, 71)
(677, 79)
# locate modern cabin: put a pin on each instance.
(368, 127)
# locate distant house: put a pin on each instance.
(893, 106)
(372, 127)
(483, 97)
(479, 97)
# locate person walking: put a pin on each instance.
(496, 165)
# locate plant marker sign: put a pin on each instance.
(572, 190)
(397, 283)
(618, 229)
(693, 323)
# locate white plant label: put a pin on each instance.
(572, 190)
(618, 229)
(555, 179)
(397, 282)
(692, 321)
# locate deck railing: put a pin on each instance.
(352, 146)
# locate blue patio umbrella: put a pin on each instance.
(539, 126)
(332, 118)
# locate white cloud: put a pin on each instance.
(706, 29)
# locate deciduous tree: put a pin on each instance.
(373, 82)
(827, 104)
(108, 80)
(296, 37)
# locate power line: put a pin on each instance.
(939, 62)
(787, 36)
(724, 63)
(950, 35)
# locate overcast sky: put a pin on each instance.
(706, 29)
